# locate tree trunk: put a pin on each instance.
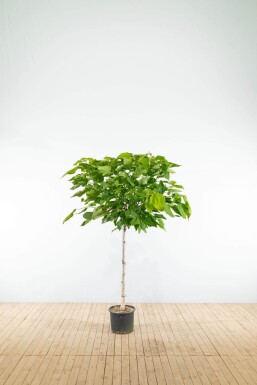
(123, 300)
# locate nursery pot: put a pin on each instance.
(122, 322)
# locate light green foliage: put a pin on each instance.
(132, 190)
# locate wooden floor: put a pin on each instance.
(71, 343)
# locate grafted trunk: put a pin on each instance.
(123, 275)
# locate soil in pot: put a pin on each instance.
(122, 321)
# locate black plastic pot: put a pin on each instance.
(122, 323)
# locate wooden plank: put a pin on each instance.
(116, 378)
(167, 370)
(209, 371)
(143, 377)
(17, 373)
(93, 331)
(42, 370)
(91, 373)
(82, 376)
(183, 370)
(42, 341)
(75, 370)
(159, 373)
(234, 370)
(133, 370)
(125, 374)
(175, 370)
(99, 331)
(99, 377)
(85, 335)
(103, 349)
(181, 344)
(108, 370)
(150, 370)
(143, 329)
(8, 366)
(200, 371)
(138, 335)
(192, 371)
(58, 371)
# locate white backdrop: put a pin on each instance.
(96, 78)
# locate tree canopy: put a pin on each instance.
(131, 190)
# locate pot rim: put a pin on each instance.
(113, 312)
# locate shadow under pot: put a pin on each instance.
(122, 321)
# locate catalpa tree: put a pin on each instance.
(131, 190)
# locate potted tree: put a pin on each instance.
(130, 190)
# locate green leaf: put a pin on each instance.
(160, 157)
(69, 216)
(105, 170)
(79, 193)
(92, 193)
(145, 162)
(166, 175)
(97, 212)
(129, 180)
(159, 216)
(161, 223)
(149, 207)
(88, 215)
(137, 172)
(167, 210)
(72, 171)
(158, 201)
(181, 211)
(82, 210)
(144, 180)
(126, 156)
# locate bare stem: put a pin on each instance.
(123, 300)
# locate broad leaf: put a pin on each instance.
(167, 210)
(126, 156)
(88, 215)
(145, 162)
(98, 212)
(181, 211)
(105, 170)
(158, 201)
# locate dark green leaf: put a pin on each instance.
(88, 215)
